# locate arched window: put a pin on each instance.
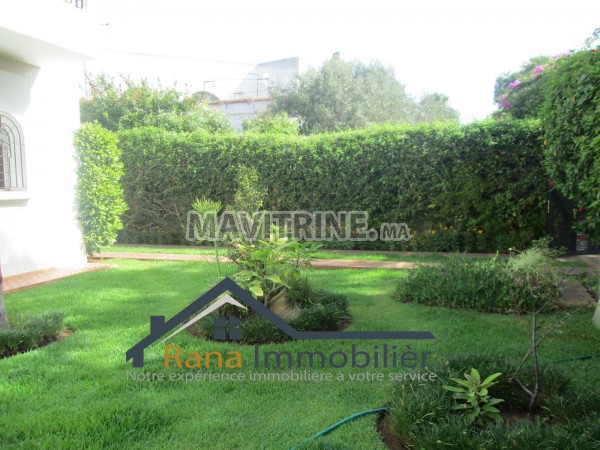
(12, 154)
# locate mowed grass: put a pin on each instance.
(74, 393)
(321, 254)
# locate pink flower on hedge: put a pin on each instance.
(505, 103)
(514, 84)
(537, 71)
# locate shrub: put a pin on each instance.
(99, 191)
(485, 176)
(37, 331)
(532, 272)
(302, 294)
(329, 313)
(491, 285)
(130, 104)
(460, 283)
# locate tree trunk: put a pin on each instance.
(3, 318)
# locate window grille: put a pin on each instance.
(12, 154)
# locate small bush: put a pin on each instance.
(321, 317)
(37, 331)
(302, 294)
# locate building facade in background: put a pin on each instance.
(252, 96)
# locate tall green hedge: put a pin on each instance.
(571, 118)
(484, 177)
(99, 191)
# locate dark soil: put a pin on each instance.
(384, 429)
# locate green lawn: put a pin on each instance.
(322, 254)
(74, 393)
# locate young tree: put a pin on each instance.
(344, 94)
(435, 108)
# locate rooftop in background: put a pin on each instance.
(266, 75)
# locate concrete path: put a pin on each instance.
(574, 294)
(155, 256)
(26, 280)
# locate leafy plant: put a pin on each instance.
(482, 285)
(474, 399)
(532, 270)
(328, 312)
(99, 191)
(268, 266)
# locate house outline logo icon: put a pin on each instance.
(159, 326)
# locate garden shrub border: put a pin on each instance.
(421, 415)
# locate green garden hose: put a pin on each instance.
(340, 423)
(576, 358)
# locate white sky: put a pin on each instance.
(455, 47)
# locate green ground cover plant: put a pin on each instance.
(517, 285)
(34, 332)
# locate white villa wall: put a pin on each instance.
(43, 44)
(38, 226)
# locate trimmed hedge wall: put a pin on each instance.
(450, 183)
(99, 191)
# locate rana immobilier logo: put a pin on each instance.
(227, 328)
